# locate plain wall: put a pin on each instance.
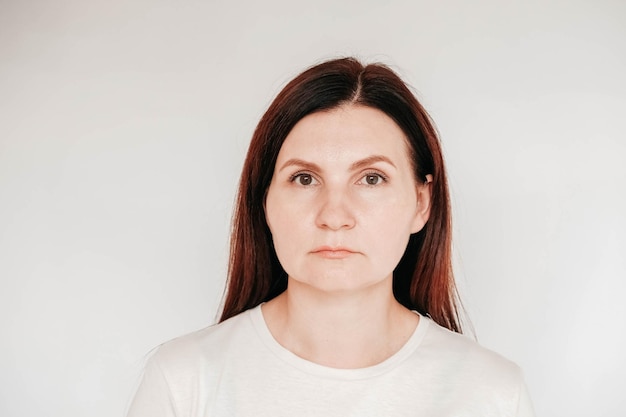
(123, 128)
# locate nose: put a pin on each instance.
(335, 210)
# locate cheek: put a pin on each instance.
(287, 237)
(392, 211)
(284, 223)
(389, 226)
(271, 208)
(389, 244)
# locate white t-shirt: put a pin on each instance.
(237, 368)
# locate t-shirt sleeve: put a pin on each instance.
(524, 405)
(153, 397)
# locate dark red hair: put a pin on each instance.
(423, 279)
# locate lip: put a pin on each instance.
(330, 252)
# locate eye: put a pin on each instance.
(303, 179)
(372, 178)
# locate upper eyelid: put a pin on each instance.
(371, 171)
(295, 175)
(302, 172)
(382, 176)
(363, 173)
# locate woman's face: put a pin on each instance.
(343, 200)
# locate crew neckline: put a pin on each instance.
(414, 341)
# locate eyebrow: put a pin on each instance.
(356, 165)
(371, 160)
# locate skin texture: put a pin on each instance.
(341, 206)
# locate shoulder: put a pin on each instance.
(468, 374)
(188, 355)
(181, 375)
(462, 347)
(462, 359)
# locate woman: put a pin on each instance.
(340, 298)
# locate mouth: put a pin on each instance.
(329, 252)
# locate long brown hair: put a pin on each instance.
(423, 279)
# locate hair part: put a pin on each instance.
(423, 280)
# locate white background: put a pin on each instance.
(123, 128)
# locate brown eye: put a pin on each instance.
(373, 179)
(304, 179)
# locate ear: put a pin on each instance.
(423, 204)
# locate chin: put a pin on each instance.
(339, 282)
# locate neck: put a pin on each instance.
(340, 330)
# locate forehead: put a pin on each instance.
(347, 132)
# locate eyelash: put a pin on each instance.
(382, 177)
(297, 175)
